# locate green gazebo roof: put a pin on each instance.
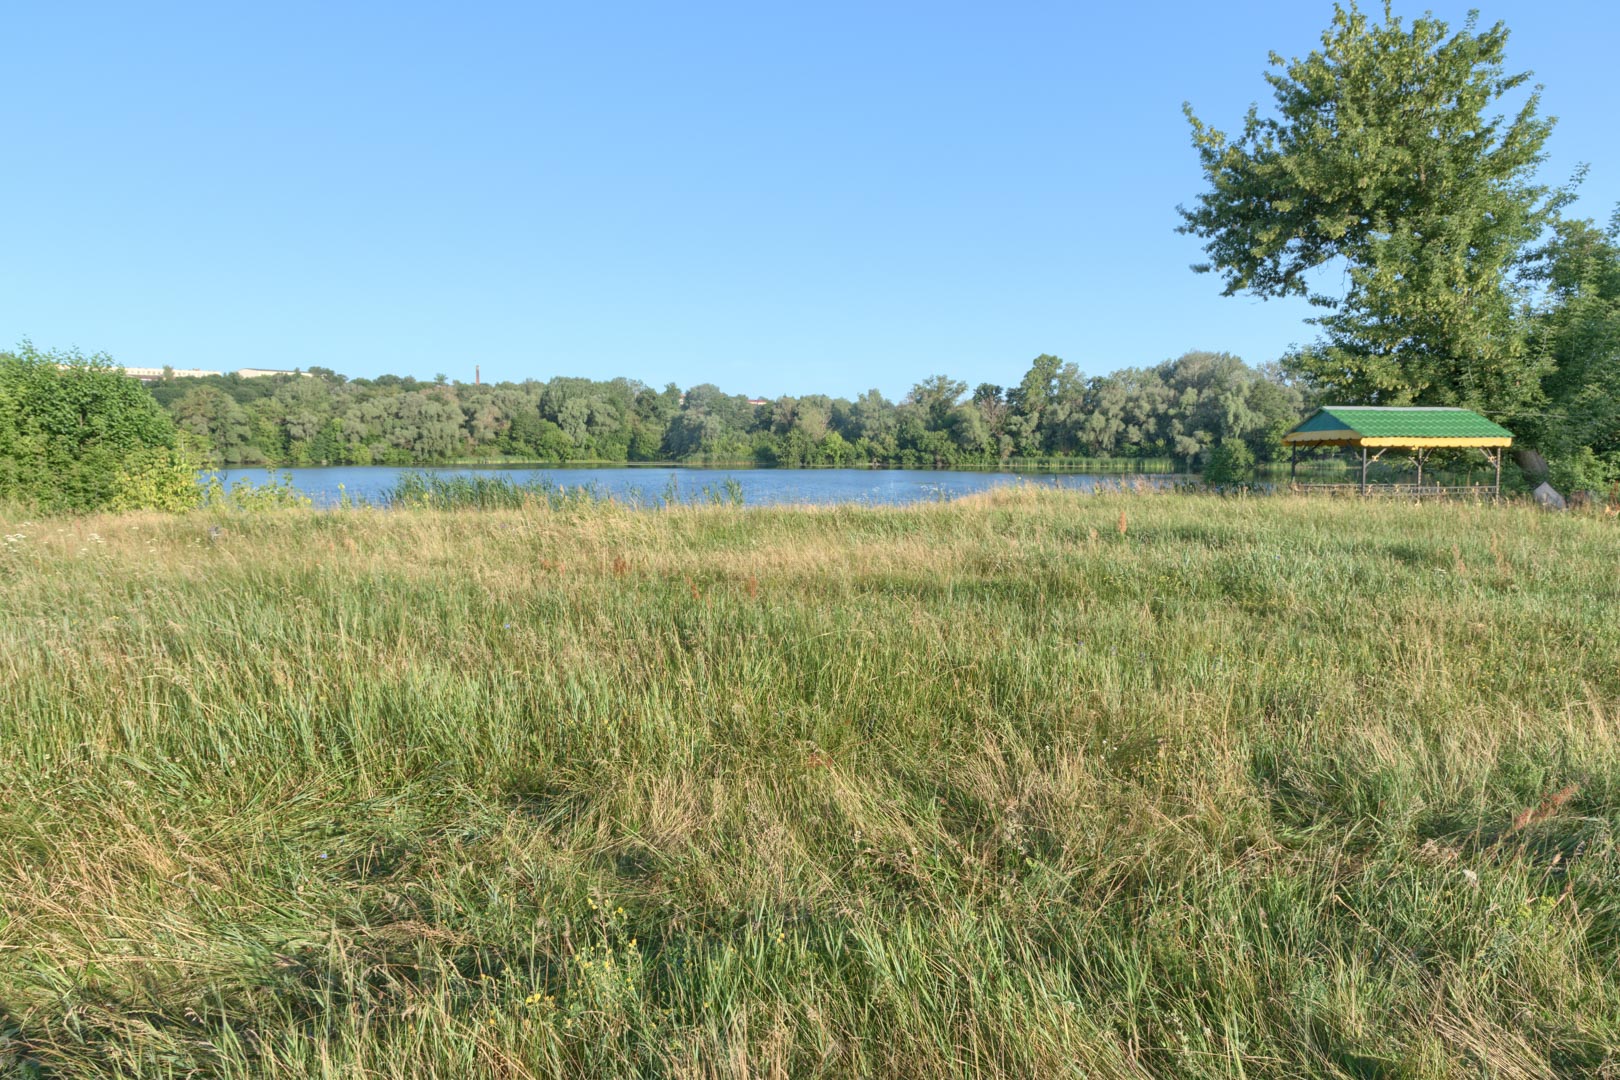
(1413, 426)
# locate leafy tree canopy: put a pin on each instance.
(1385, 156)
(1577, 336)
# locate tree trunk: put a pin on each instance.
(1531, 464)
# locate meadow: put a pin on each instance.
(1031, 784)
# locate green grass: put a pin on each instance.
(1033, 784)
(431, 491)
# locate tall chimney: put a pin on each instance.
(476, 379)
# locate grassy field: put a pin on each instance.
(1034, 784)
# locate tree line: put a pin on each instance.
(1176, 410)
(77, 434)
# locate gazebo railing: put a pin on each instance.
(1400, 491)
(1418, 490)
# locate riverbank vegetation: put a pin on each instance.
(1158, 420)
(1029, 784)
(1175, 410)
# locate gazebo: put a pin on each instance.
(1419, 430)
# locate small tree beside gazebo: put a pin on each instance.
(1418, 430)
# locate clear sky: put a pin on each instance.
(778, 198)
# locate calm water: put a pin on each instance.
(760, 487)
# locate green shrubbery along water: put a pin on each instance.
(76, 434)
(1230, 462)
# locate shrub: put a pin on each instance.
(276, 493)
(157, 479)
(1229, 462)
(1582, 470)
(77, 434)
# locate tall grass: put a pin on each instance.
(459, 491)
(423, 491)
(1029, 784)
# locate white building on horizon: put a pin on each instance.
(157, 374)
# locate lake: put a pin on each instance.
(760, 487)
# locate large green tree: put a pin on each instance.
(1386, 158)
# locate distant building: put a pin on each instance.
(756, 401)
(157, 374)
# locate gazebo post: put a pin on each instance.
(1496, 461)
(1293, 463)
(1364, 470)
(1418, 454)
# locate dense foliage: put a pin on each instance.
(1230, 462)
(1577, 335)
(77, 434)
(1178, 409)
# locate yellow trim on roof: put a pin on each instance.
(1391, 440)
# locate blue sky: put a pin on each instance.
(775, 198)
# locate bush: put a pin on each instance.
(276, 493)
(77, 434)
(1230, 462)
(157, 479)
(1582, 470)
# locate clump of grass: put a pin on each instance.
(991, 787)
(461, 491)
